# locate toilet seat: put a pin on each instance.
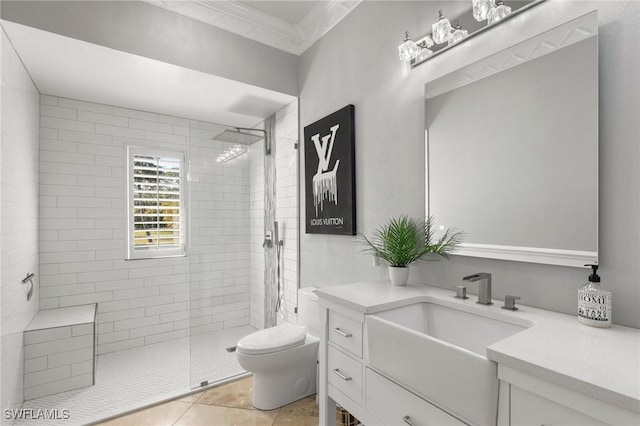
(273, 339)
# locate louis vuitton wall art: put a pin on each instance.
(330, 187)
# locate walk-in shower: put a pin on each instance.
(223, 254)
(168, 327)
(163, 322)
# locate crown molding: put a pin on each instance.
(248, 22)
(321, 18)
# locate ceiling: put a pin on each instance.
(71, 68)
(289, 11)
(67, 67)
(291, 25)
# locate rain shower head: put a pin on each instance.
(240, 136)
(243, 136)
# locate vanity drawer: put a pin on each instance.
(345, 373)
(530, 409)
(394, 405)
(345, 332)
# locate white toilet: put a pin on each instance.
(283, 359)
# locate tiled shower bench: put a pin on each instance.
(60, 351)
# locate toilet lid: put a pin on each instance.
(273, 339)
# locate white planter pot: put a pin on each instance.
(399, 275)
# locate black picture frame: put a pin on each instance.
(330, 181)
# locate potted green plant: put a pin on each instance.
(404, 240)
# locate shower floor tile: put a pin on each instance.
(133, 378)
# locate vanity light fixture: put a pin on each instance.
(410, 50)
(480, 17)
(425, 52)
(457, 33)
(440, 29)
(498, 12)
(424, 46)
(481, 8)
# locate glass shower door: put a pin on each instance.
(237, 191)
(219, 253)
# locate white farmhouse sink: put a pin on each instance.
(439, 352)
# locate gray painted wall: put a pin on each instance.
(356, 62)
(143, 29)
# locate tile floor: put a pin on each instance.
(225, 405)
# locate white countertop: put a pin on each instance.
(601, 363)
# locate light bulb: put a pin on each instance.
(440, 29)
(481, 8)
(408, 50)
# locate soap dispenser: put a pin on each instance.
(594, 302)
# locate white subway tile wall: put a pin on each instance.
(83, 226)
(19, 217)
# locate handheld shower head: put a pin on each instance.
(276, 234)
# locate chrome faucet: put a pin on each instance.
(484, 291)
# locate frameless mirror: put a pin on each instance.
(512, 149)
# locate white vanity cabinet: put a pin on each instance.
(341, 364)
(348, 381)
(535, 402)
(553, 371)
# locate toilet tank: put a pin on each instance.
(308, 310)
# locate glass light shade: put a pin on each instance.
(481, 9)
(408, 50)
(440, 30)
(424, 54)
(498, 12)
(457, 35)
(427, 41)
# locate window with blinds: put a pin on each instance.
(156, 207)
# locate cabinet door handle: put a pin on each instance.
(408, 421)
(342, 376)
(342, 333)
